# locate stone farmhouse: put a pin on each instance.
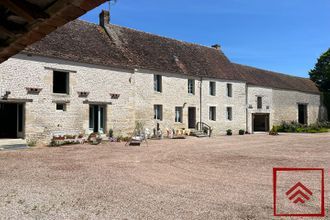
(86, 77)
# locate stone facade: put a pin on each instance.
(221, 101)
(137, 98)
(281, 105)
(41, 117)
(285, 106)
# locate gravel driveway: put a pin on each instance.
(216, 178)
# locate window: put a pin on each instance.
(158, 83)
(229, 90)
(259, 102)
(60, 82)
(212, 88)
(191, 86)
(229, 113)
(61, 106)
(158, 112)
(178, 114)
(212, 113)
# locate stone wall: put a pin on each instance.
(285, 105)
(221, 101)
(267, 104)
(174, 94)
(42, 119)
(137, 98)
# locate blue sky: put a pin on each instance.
(280, 35)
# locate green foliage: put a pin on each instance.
(241, 132)
(111, 133)
(31, 143)
(229, 132)
(321, 72)
(273, 131)
(326, 102)
(295, 127)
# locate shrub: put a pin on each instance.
(293, 126)
(273, 131)
(289, 126)
(119, 138)
(31, 143)
(229, 132)
(126, 139)
(241, 132)
(110, 133)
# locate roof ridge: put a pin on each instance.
(152, 34)
(257, 68)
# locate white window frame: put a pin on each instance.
(178, 114)
(191, 86)
(158, 83)
(158, 112)
(212, 113)
(229, 114)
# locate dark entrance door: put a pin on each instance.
(260, 122)
(191, 117)
(8, 120)
(96, 118)
(302, 114)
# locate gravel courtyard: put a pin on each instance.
(217, 178)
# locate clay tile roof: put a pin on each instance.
(265, 78)
(122, 47)
(127, 48)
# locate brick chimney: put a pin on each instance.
(104, 18)
(216, 46)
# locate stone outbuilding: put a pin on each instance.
(86, 78)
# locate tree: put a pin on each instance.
(321, 76)
(321, 72)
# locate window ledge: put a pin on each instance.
(61, 94)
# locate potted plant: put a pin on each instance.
(110, 133)
(229, 132)
(273, 131)
(241, 132)
(94, 138)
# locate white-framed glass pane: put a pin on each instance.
(212, 113)
(91, 117)
(158, 112)
(191, 86)
(101, 115)
(158, 83)
(178, 114)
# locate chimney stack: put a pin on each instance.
(104, 18)
(216, 46)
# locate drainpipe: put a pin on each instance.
(246, 107)
(200, 103)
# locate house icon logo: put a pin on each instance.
(298, 192)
